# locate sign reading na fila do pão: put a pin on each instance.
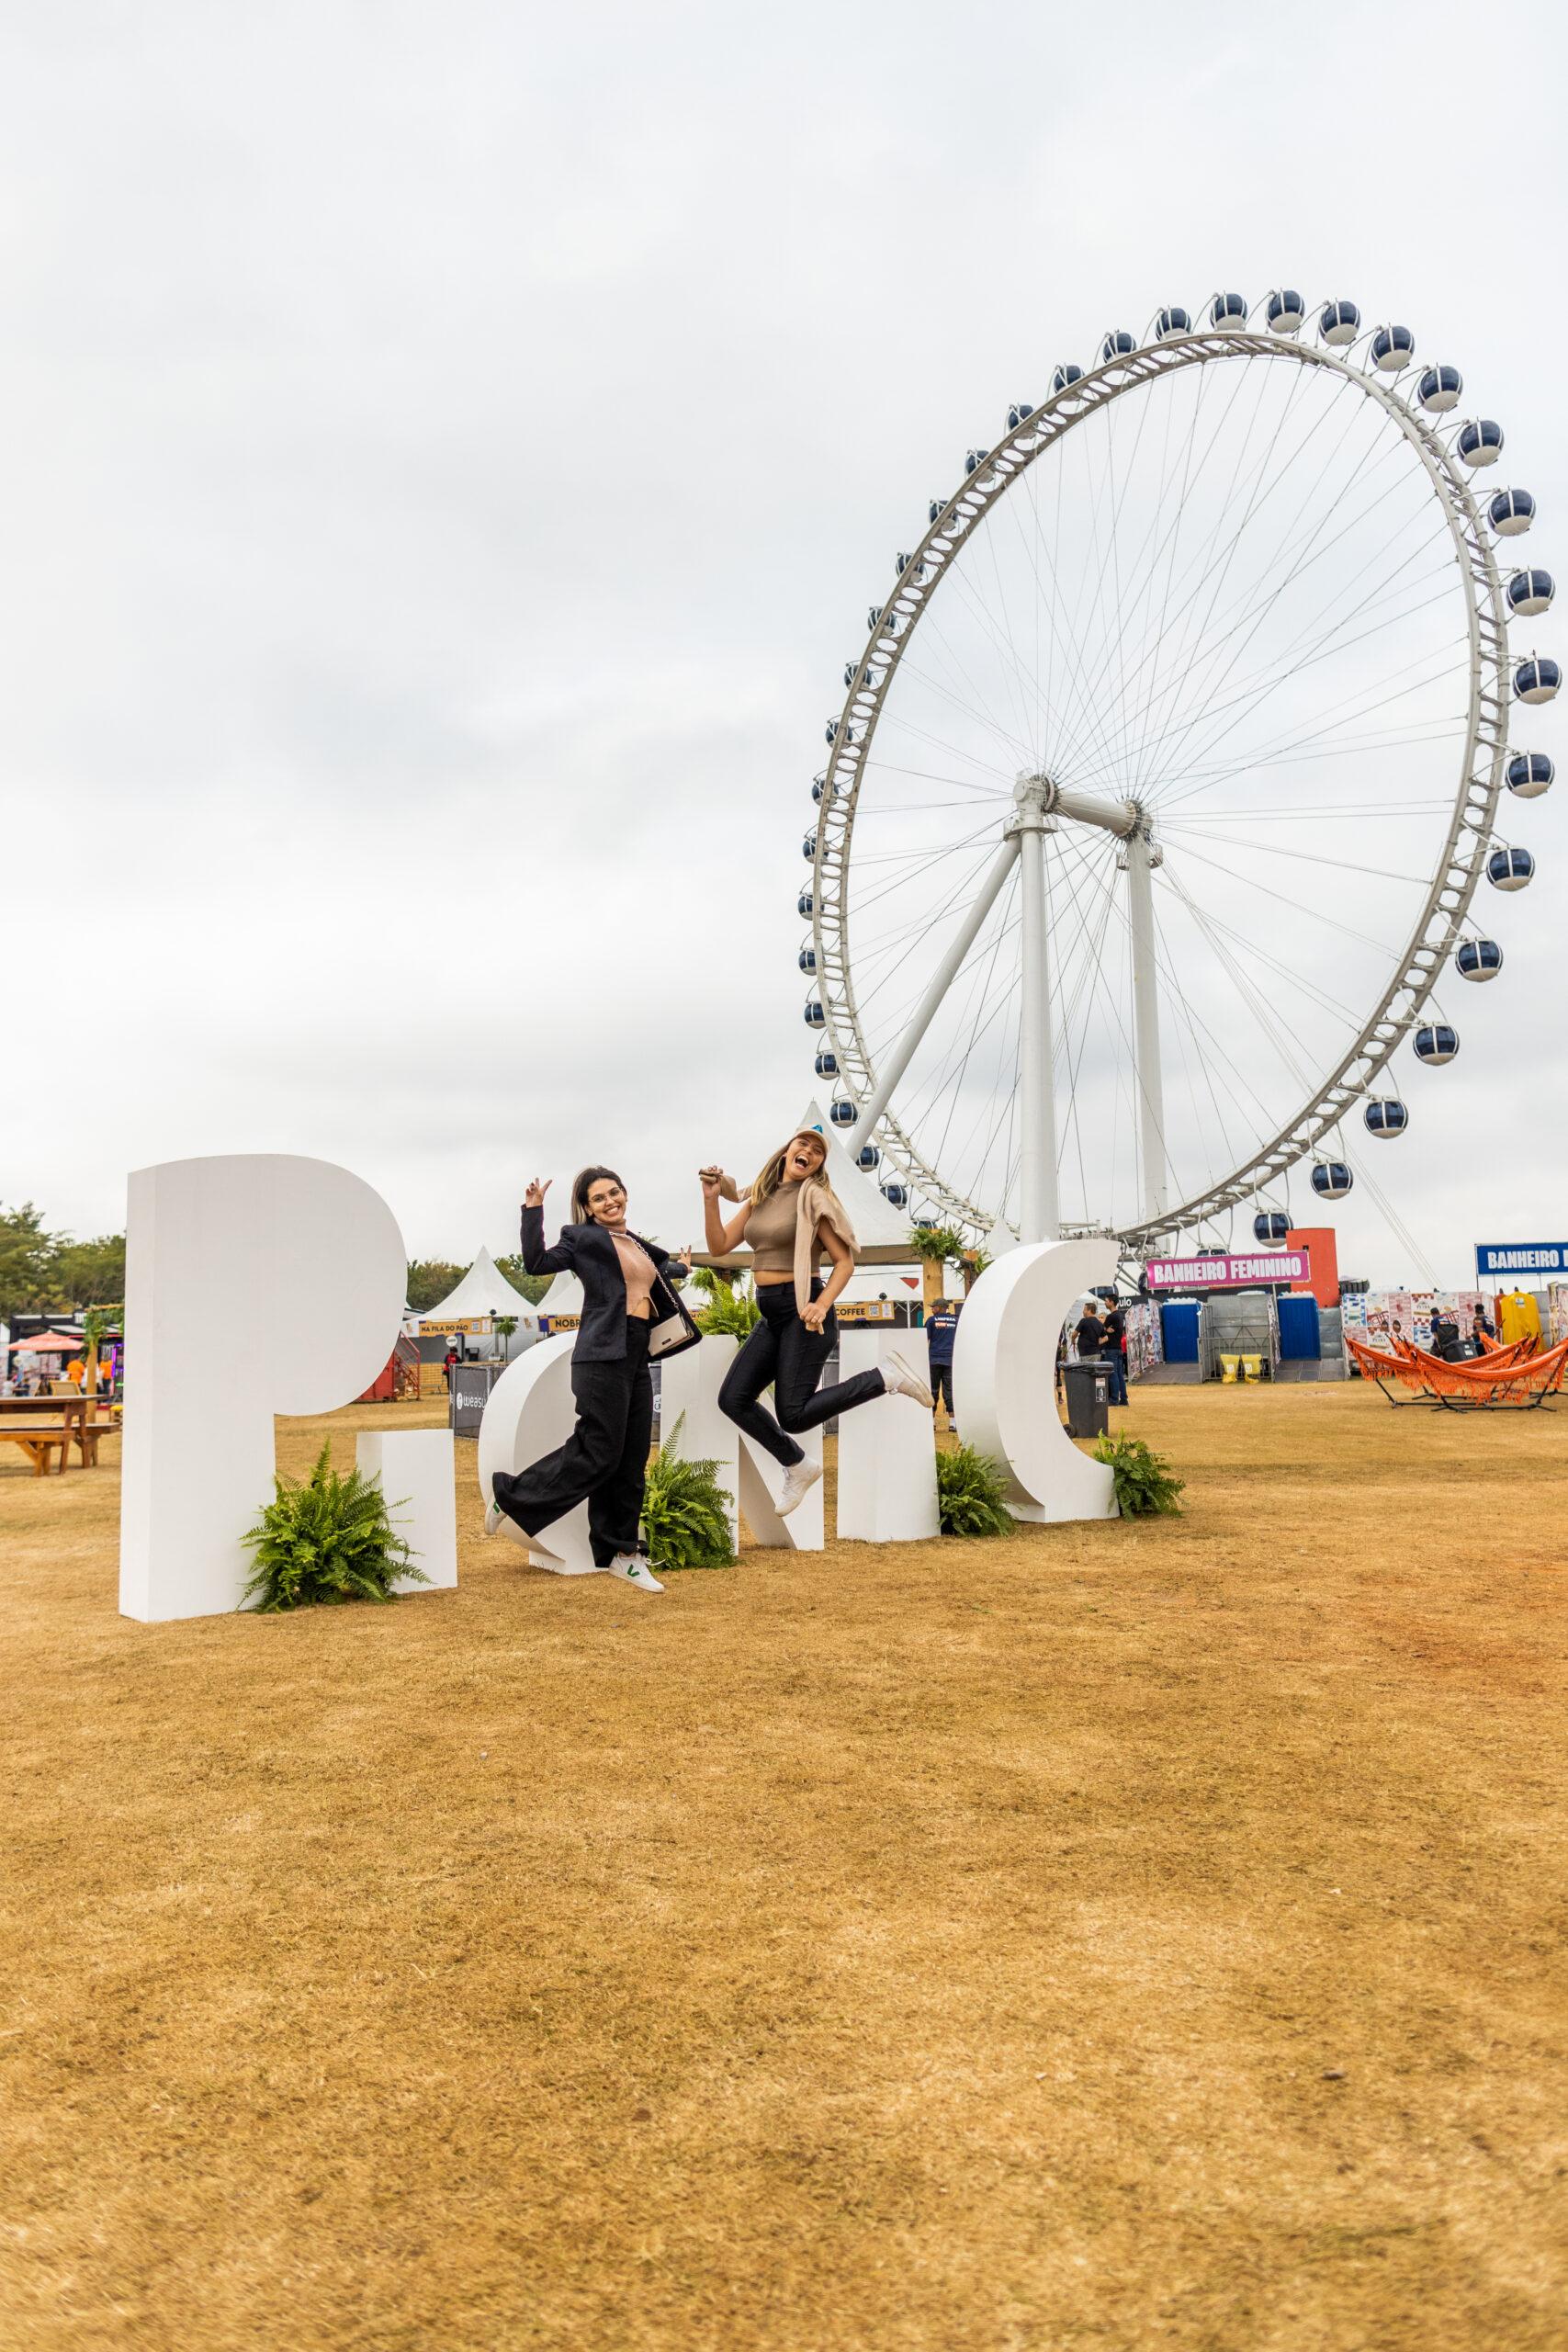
(1509, 1261)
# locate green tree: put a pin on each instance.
(29, 1264)
(92, 1274)
(430, 1279)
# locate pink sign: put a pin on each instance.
(1225, 1271)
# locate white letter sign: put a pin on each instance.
(1004, 1376)
(254, 1286)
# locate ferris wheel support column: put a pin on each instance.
(1038, 1210)
(1142, 857)
(947, 971)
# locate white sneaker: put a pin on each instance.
(632, 1568)
(802, 1477)
(495, 1518)
(900, 1379)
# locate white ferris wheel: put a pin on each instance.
(1162, 789)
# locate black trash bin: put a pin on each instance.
(1089, 1400)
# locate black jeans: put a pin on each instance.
(604, 1460)
(941, 1386)
(780, 1350)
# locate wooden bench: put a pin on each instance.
(39, 1438)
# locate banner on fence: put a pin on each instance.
(1226, 1272)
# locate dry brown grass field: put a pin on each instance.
(1116, 1936)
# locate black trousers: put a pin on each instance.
(941, 1386)
(783, 1352)
(604, 1460)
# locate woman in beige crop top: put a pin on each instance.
(790, 1217)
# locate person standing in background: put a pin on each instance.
(1087, 1334)
(1113, 1350)
(941, 1330)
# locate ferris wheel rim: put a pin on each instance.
(1468, 840)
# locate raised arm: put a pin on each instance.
(719, 1236)
(536, 1257)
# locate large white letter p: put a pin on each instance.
(254, 1286)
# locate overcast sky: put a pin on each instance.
(448, 451)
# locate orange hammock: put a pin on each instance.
(1496, 1359)
(1511, 1377)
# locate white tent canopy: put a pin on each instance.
(484, 1290)
(877, 1222)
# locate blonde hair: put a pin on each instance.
(771, 1174)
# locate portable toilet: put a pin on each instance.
(1299, 1338)
(1179, 1320)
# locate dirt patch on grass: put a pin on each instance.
(1116, 1936)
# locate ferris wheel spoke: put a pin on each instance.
(1106, 706)
(925, 775)
(969, 597)
(1159, 702)
(1307, 650)
(1311, 813)
(1380, 695)
(1162, 639)
(1262, 889)
(1299, 980)
(1017, 747)
(1316, 857)
(1290, 751)
(1063, 727)
(1217, 558)
(1213, 710)
(1001, 774)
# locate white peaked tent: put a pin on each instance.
(877, 1222)
(484, 1290)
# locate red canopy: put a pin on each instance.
(46, 1343)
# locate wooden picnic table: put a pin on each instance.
(41, 1424)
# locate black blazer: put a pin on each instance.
(587, 1251)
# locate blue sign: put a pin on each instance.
(1516, 1261)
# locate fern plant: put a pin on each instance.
(685, 1510)
(1144, 1481)
(733, 1312)
(971, 1494)
(323, 1538)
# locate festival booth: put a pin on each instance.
(1239, 1317)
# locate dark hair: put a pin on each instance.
(581, 1184)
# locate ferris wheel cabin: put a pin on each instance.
(1478, 959)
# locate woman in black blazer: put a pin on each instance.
(604, 1460)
